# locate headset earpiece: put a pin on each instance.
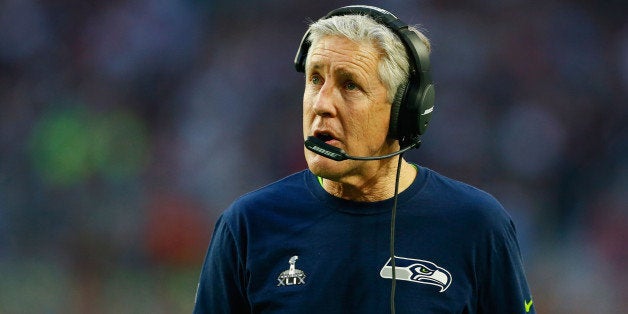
(393, 128)
(427, 107)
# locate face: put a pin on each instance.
(345, 104)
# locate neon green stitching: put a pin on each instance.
(528, 305)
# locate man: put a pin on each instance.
(321, 240)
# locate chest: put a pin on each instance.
(344, 266)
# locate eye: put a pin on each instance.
(316, 79)
(351, 85)
(424, 270)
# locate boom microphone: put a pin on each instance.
(318, 146)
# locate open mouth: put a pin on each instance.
(324, 136)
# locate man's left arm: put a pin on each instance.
(505, 287)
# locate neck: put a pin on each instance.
(376, 186)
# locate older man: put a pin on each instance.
(362, 230)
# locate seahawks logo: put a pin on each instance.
(418, 271)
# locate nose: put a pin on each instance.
(325, 101)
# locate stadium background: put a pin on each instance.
(126, 127)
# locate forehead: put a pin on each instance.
(342, 52)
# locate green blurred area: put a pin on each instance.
(70, 145)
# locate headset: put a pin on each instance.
(413, 104)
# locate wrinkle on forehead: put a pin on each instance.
(348, 56)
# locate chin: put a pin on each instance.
(325, 167)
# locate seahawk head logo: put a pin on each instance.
(418, 271)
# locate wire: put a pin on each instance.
(392, 237)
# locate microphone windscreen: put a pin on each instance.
(316, 145)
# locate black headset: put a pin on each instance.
(413, 103)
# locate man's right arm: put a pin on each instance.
(221, 287)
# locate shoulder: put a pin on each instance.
(281, 190)
(457, 198)
(287, 190)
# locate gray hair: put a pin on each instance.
(394, 67)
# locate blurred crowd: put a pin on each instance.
(126, 127)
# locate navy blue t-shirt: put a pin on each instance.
(291, 247)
